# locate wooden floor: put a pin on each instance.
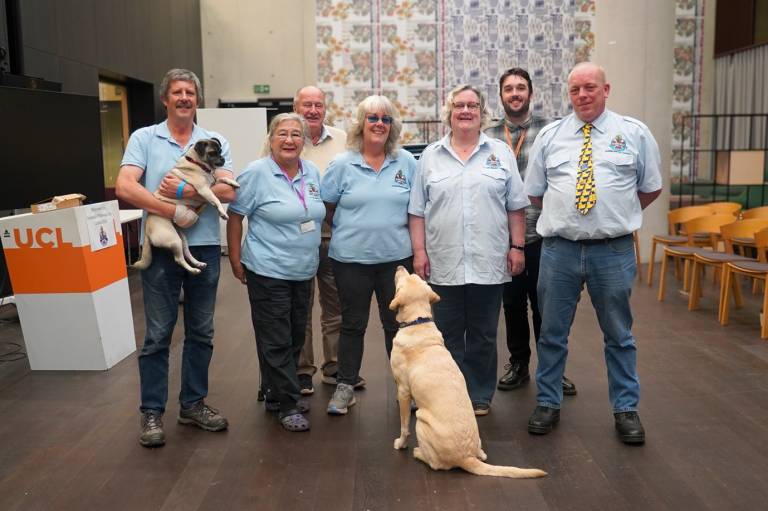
(68, 440)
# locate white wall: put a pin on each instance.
(246, 42)
(633, 42)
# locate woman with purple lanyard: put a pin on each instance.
(280, 195)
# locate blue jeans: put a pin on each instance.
(608, 268)
(162, 282)
(468, 318)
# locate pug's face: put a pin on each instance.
(209, 152)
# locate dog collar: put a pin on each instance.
(416, 321)
(199, 164)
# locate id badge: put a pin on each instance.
(307, 226)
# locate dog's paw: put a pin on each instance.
(401, 443)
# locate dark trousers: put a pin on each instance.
(279, 313)
(356, 284)
(517, 294)
(468, 317)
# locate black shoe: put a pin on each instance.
(305, 385)
(543, 420)
(516, 375)
(569, 388)
(629, 427)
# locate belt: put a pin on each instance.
(598, 241)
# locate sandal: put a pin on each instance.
(302, 405)
(294, 421)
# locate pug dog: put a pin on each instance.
(196, 167)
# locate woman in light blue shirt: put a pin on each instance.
(366, 191)
(467, 219)
(280, 195)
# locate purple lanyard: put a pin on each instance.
(300, 192)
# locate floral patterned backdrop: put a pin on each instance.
(414, 51)
(686, 93)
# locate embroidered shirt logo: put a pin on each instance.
(313, 190)
(618, 144)
(400, 177)
(493, 162)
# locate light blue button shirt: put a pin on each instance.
(625, 159)
(370, 225)
(154, 150)
(465, 210)
(275, 245)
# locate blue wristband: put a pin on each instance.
(180, 190)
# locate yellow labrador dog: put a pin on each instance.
(446, 428)
(196, 167)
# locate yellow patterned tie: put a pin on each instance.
(586, 196)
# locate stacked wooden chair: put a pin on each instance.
(754, 269)
(703, 234)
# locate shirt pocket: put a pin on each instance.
(620, 161)
(439, 186)
(558, 163)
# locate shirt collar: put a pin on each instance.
(164, 132)
(276, 170)
(326, 133)
(524, 125)
(598, 124)
(357, 159)
(446, 140)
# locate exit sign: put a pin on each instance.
(261, 88)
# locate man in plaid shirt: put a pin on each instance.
(519, 129)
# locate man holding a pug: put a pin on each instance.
(326, 143)
(153, 151)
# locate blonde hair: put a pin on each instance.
(277, 121)
(485, 115)
(373, 104)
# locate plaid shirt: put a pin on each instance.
(533, 125)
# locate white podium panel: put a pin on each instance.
(68, 273)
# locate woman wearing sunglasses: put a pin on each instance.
(366, 191)
(468, 230)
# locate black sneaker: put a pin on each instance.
(152, 434)
(629, 427)
(516, 375)
(203, 416)
(305, 385)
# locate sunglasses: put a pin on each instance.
(373, 119)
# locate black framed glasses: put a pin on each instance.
(373, 119)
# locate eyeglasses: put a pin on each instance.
(469, 106)
(373, 119)
(284, 135)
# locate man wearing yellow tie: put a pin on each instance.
(592, 172)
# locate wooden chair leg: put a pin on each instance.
(693, 296)
(663, 275)
(737, 298)
(686, 275)
(764, 319)
(651, 261)
(727, 278)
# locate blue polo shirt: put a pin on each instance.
(275, 245)
(154, 150)
(370, 225)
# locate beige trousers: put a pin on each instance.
(330, 318)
